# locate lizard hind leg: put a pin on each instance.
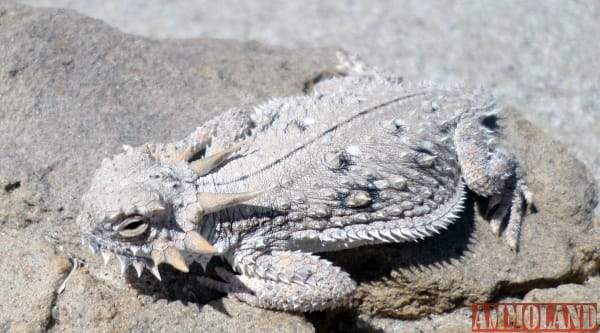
(286, 280)
(510, 208)
(493, 173)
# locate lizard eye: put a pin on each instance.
(132, 226)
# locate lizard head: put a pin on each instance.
(147, 211)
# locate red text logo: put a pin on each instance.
(534, 317)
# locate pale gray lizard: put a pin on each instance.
(363, 159)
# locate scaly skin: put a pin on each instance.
(364, 159)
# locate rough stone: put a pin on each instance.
(456, 322)
(32, 272)
(589, 291)
(89, 304)
(459, 321)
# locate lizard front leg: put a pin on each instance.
(285, 280)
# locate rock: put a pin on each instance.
(73, 90)
(89, 304)
(588, 292)
(32, 272)
(458, 321)
(572, 292)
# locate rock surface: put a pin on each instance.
(459, 321)
(586, 292)
(73, 90)
(32, 273)
(124, 310)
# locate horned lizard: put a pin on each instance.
(364, 159)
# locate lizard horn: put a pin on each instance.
(214, 202)
(175, 259)
(206, 165)
(171, 256)
(194, 242)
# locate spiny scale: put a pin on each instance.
(139, 268)
(124, 262)
(155, 272)
(106, 255)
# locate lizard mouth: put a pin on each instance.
(136, 256)
(150, 255)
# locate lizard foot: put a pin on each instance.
(285, 280)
